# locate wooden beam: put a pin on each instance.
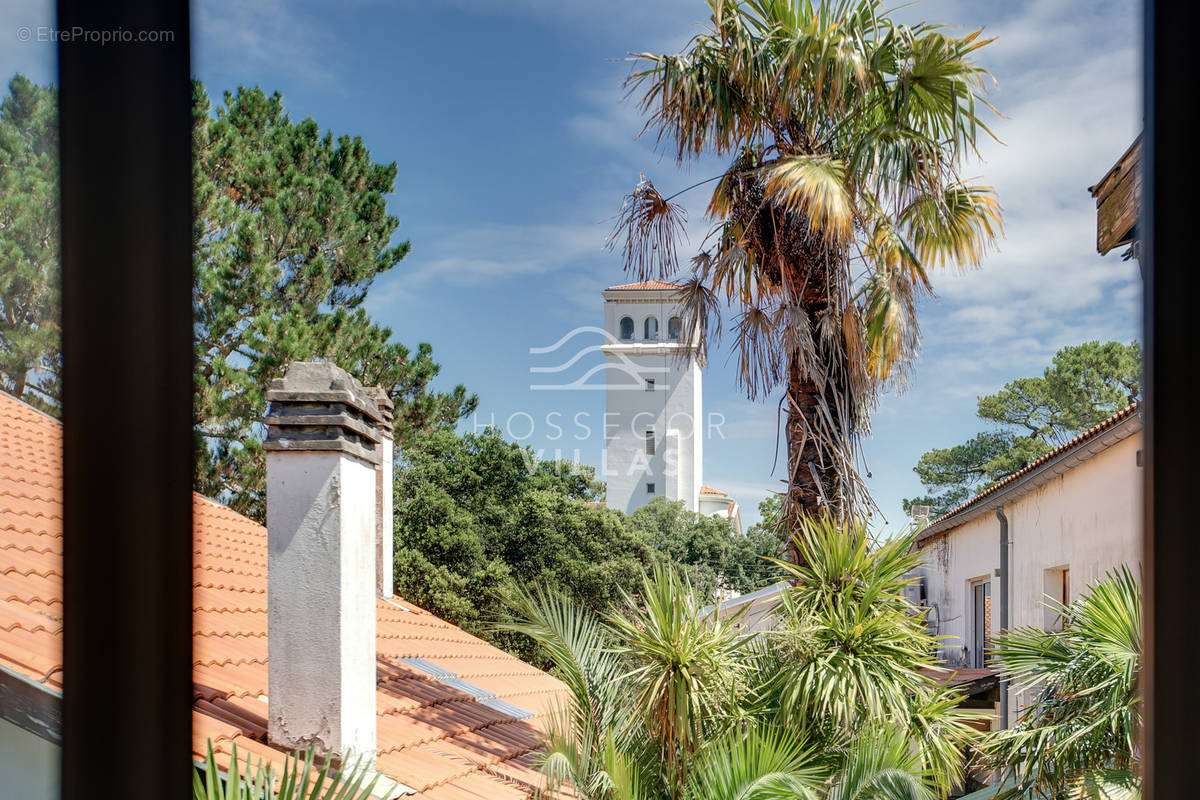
(1118, 200)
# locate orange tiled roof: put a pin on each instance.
(710, 490)
(643, 285)
(432, 737)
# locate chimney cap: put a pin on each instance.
(319, 406)
(322, 382)
(380, 396)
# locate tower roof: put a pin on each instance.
(644, 285)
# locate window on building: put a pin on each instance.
(649, 384)
(650, 329)
(626, 328)
(673, 327)
(981, 619)
(1056, 584)
(649, 488)
(650, 442)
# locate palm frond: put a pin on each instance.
(813, 186)
(1083, 724)
(646, 229)
(764, 763)
(956, 227)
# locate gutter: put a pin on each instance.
(1005, 541)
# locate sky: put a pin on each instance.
(515, 145)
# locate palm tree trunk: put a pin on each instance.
(814, 485)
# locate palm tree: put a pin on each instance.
(672, 703)
(845, 132)
(1078, 739)
(300, 779)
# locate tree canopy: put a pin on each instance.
(1083, 385)
(477, 517)
(291, 230)
(30, 356)
(671, 701)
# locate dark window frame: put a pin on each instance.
(1171, 748)
(125, 120)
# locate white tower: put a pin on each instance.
(652, 422)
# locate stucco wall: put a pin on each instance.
(673, 410)
(29, 764)
(1088, 519)
(321, 600)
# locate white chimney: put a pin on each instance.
(384, 477)
(322, 433)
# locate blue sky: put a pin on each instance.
(514, 150)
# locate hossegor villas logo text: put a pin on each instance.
(582, 364)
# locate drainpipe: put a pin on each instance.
(1004, 543)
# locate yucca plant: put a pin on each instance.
(1078, 739)
(844, 132)
(300, 779)
(847, 648)
(672, 703)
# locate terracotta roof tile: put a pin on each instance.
(432, 736)
(1090, 433)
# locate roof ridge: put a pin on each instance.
(1070, 444)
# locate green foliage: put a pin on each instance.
(476, 516)
(1084, 385)
(671, 702)
(30, 355)
(716, 558)
(291, 230)
(1079, 738)
(299, 780)
(848, 644)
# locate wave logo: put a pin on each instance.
(617, 369)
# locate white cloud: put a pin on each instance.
(266, 32)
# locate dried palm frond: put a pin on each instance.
(646, 228)
(760, 359)
(700, 314)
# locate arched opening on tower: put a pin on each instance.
(626, 329)
(673, 326)
(650, 329)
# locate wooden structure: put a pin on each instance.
(1119, 200)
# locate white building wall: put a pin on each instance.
(672, 410)
(29, 765)
(1088, 519)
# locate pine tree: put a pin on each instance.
(30, 357)
(291, 230)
